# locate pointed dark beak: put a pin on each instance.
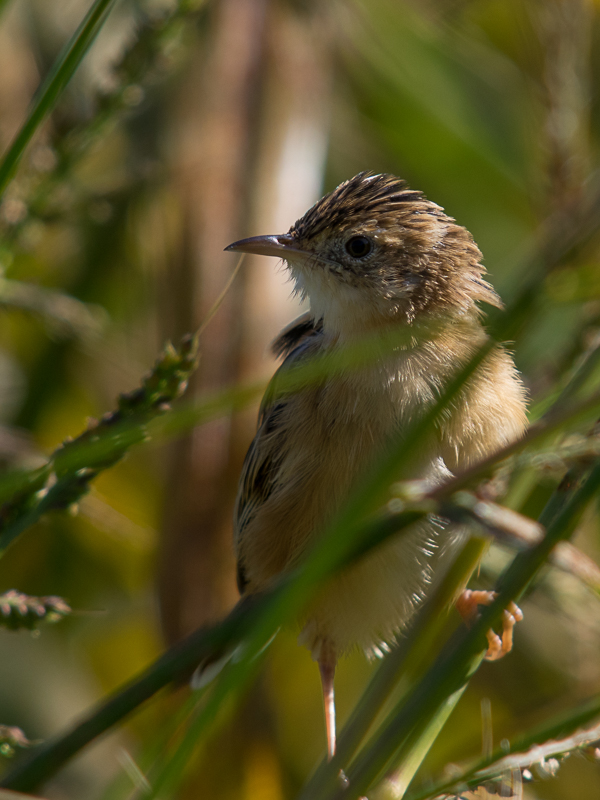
(279, 245)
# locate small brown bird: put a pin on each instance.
(371, 256)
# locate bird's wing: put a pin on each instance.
(260, 472)
(302, 328)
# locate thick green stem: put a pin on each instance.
(41, 764)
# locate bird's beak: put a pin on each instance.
(280, 245)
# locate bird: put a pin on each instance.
(372, 257)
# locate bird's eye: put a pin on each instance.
(359, 246)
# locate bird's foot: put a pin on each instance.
(498, 646)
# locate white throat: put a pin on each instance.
(347, 311)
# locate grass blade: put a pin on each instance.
(47, 95)
(553, 730)
(463, 654)
(404, 661)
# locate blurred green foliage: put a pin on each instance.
(490, 107)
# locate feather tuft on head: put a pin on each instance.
(366, 194)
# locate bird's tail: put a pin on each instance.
(208, 669)
(213, 664)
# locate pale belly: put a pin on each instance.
(370, 602)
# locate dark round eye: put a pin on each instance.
(359, 246)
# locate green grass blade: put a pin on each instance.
(563, 725)
(404, 661)
(173, 770)
(415, 748)
(47, 95)
(43, 762)
(463, 654)
(419, 743)
(259, 619)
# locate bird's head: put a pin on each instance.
(374, 251)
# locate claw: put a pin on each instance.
(498, 646)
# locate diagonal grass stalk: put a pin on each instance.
(403, 663)
(180, 659)
(423, 740)
(230, 685)
(48, 93)
(50, 757)
(417, 745)
(398, 663)
(462, 655)
(562, 725)
(229, 401)
(120, 786)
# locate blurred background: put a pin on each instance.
(190, 125)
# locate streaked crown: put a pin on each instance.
(363, 196)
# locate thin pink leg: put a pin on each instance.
(327, 662)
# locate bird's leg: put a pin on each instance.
(498, 646)
(327, 661)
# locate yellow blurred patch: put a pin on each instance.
(66, 416)
(262, 776)
(121, 650)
